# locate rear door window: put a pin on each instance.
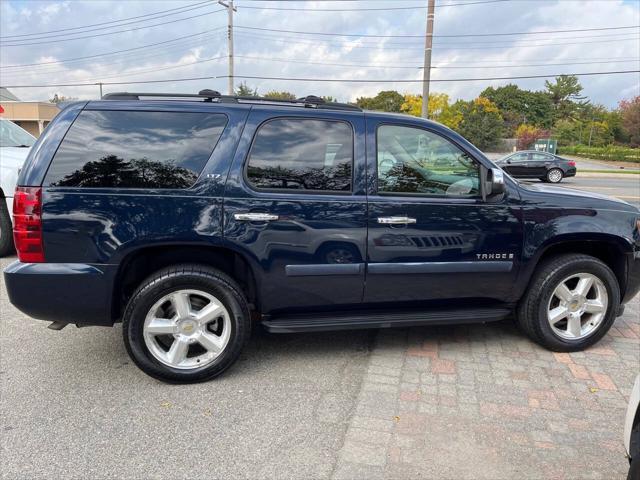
(127, 149)
(302, 154)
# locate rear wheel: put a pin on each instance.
(570, 304)
(554, 175)
(186, 324)
(6, 230)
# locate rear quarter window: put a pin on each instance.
(120, 149)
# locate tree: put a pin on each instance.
(61, 98)
(565, 95)
(630, 116)
(440, 110)
(481, 122)
(275, 95)
(245, 90)
(521, 106)
(386, 101)
(526, 135)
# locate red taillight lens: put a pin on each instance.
(27, 224)
(572, 164)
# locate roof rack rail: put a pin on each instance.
(310, 101)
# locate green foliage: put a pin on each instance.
(245, 90)
(481, 122)
(521, 106)
(284, 95)
(630, 118)
(564, 93)
(610, 152)
(385, 101)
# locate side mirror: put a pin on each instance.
(495, 179)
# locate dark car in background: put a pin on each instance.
(533, 164)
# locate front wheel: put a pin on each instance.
(186, 324)
(554, 175)
(570, 304)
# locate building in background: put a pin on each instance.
(32, 116)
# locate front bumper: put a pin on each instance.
(633, 276)
(63, 292)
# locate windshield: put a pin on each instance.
(11, 135)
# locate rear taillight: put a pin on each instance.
(571, 163)
(27, 224)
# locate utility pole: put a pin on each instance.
(426, 71)
(230, 9)
(100, 89)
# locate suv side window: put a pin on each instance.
(302, 154)
(127, 149)
(413, 160)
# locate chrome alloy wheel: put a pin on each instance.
(187, 329)
(554, 176)
(577, 306)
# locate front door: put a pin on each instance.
(518, 165)
(295, 203)
(432, 237)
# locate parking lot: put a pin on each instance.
(476, 402)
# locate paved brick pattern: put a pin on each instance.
(483, 402)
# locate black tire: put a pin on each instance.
(6, 230)
(531, 314)
(634, 469)
(174, 278)
(552, 175)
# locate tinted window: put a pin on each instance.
(135, 149)
(519, 157)
(300, 154)
(412, 160)
(542, 157)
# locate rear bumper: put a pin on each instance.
(63, 292)
(570, 172)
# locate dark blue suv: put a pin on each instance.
(191, 218)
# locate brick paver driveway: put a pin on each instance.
(482, 402)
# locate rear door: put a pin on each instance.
(295, 204)
(432, 238)
(539, 164)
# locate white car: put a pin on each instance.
(15, 144)
(632, 432)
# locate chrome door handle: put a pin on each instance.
(396, 220)
(255, 217)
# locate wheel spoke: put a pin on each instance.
(574, 325)
(182, 304)
(178, 351)
(209, 313)
(584, 285)
(211, 342)
(593, 306)
(557, 314)
(161, 326)
(563, 293)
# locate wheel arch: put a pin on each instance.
(608, 248)
(144, 261)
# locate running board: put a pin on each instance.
(382, 319)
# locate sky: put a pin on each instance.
(40, 37)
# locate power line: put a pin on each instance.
(54, 35)
(368, 9)
(404, 47)
(116, 51)
(415, 67)
(104, 23)
(364, 35)
(114, 32)
(343, 80)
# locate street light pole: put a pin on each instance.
(230, 9)
(426, 71)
